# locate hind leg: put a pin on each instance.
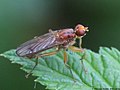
(36, 63)
(39, 56)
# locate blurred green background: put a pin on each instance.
(21, 20)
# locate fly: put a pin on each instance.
(59, 39)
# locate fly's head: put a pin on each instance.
(80, 30)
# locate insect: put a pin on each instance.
(59, 39)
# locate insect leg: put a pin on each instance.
(48, 53)
(84, 54)
(39, 56)
(65, 62)
(80, 42)
(65, 56)
(36, 63)
(75, 49)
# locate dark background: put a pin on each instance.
(21, 20)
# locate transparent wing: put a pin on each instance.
(38, 44)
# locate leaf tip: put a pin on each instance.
(1, 54)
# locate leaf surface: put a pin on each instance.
(103, 69)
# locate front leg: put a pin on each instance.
(68, 66)
(75, 49)
(80, 42)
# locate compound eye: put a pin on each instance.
(80, 32)
(79, 27)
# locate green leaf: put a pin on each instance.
(103, 69)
